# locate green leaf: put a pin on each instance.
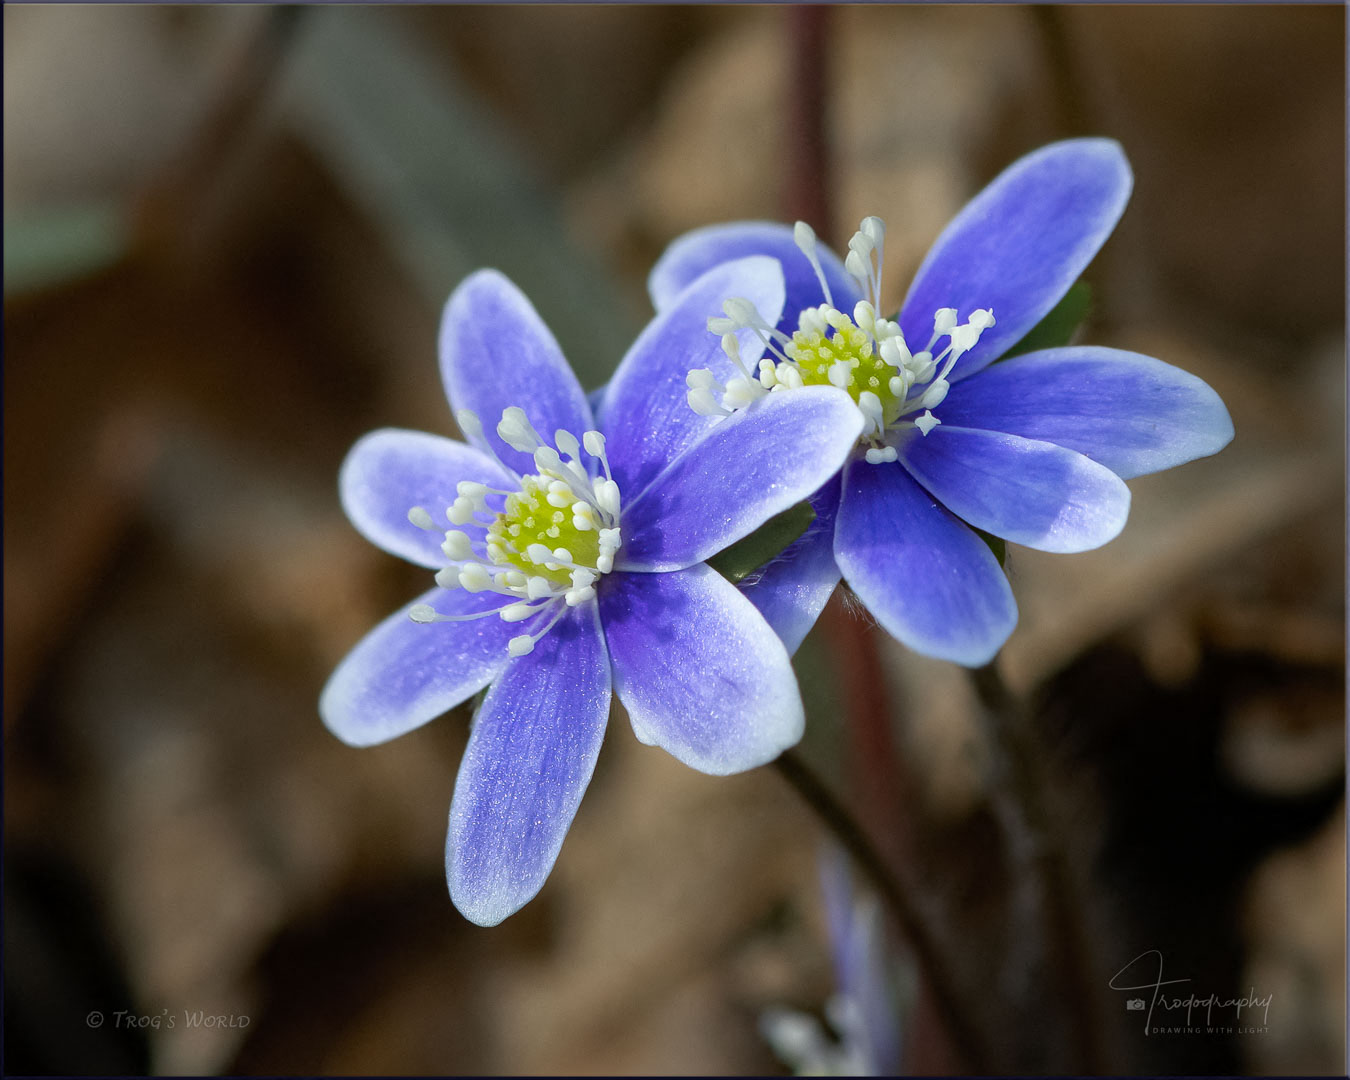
(768, 541)
(46, 247)
(1059, 324)
(997, 545)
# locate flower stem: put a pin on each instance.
(897, 896)
(1039, 853)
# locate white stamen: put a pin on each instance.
(457, 545)
(474, 577)
(536, 587)
(805, 238)
(419, 517)
(422, 613)
(517, 612)
(926, 423)
(516, 430)
(567, 443)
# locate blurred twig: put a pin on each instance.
(898, 897)
(1039, 854)
(808, 182)
(179, 207)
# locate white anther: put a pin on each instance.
(470, 489)
(517, 612)
(581, 577)
(419, 517)
(460, 512)
(516, 430)
(805, 238)
(594, 443)
(546, 460)
(538, 553)
(855, 266)
(768, 374)
(702, 379)
(895, 352)
(496, 552)
(607, 497)
(457, 545)
(897, 387)
(537, 587)
(562, 555)
(944, 319)
(604, 563)
(422, 613)
(474, 577)
(934, 395)
(790, 377)
(515, 579)
(741, 392)
(567, 443)
(610, 539)
(520, 646)
(560, 494)
(741, 311)
(577, 597)
(841, 374)
(870, 406)
(448, 577)
(874, 229)
(926, 423)
(722, 326)
(983, 318)
(963, 338)
(861, 243)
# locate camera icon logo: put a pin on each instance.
(1135, 1005)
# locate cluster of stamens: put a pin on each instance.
(865, 355)
(550, 541)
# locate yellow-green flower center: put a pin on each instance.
(848, 359)
(530, 518)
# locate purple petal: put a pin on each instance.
(931, 582)
(699, 251)
(390, 471)
(1029, 492)
(497, 352)
(533, 749)
(1131, 413)
(1019, 244)
(748, 468)
(792, 590)
(648, 420)
(701, 674)
(403, 673)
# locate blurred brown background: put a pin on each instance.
(228, 233)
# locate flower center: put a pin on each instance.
(866, 355)
(549, 541)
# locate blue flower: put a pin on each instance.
(1034, 449)
(568, 571)
(864, 1011)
